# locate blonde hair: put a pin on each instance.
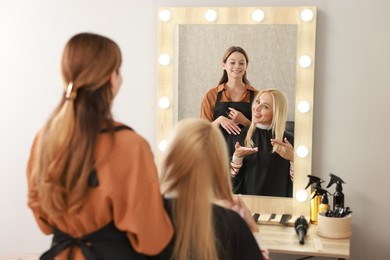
(66, 145)
(278, 124)
(195, 167)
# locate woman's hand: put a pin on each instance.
(229, 125)
(285, 149)
(238, 117)
(241, 151)
(244, 212)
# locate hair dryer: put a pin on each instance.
(301, 227)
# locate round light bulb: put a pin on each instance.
(301, 195)
(165, 15)
(302, 151)
(164, 59)
(305, 61)
(307, 15)
(162, 145)
(303, 106)
(164, 102)
(211, 15)
(258, 15)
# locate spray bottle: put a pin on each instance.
(338, 196)
(324, 205)
(315, 198)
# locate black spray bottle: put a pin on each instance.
(315, 197)
(338, 196)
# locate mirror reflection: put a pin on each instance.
(264, 153)
(192, 70)
(271, 51)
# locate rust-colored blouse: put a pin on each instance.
(128, 194)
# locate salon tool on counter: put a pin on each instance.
(301, 227)
(324, 205)
(285, 218)
(271, 217)
(315, 199)
(338, 196)
(338, 212)
(282, 219)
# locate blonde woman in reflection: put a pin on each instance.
(194, 178)
(87, 173)
(263, 156)
(229, 104)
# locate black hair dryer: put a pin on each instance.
(301, 227)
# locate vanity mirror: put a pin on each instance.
(280, 42)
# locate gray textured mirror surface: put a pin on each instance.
(272, 60)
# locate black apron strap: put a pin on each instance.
(252, 96)
(62, 241)
(116, 129)
(106, 243)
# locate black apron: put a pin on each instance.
(222, 109)
(107, 242)
(264, 173)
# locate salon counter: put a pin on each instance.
(278, 239)
(284, 240)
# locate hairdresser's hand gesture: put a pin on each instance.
(238, 117)
(241, 151)
(229, 125)
(285, 149)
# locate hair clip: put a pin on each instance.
(70, 94)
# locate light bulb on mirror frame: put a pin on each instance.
(165, 15)
(258, 15)
(164, 59)
(162, 145)
(303, 106)
(305, 61)
(307, 15)
(301, 195)
(302, 151)
(164, 102)
(211, 15)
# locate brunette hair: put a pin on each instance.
(279, 116)
(195, 167)
(227, 54)
(65, 150)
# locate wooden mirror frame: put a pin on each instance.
(170, 17)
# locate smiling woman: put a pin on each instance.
(280, 42)
(228, 105)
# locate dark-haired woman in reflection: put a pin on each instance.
(264, 153)
(229, 104)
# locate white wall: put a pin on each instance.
(352, 98)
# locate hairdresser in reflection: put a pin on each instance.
(263, 156)
(229, 104)
(198, 197)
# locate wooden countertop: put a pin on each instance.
(278, 239)
(284, 240)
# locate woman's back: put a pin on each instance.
(124, 171)
(233, 237)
